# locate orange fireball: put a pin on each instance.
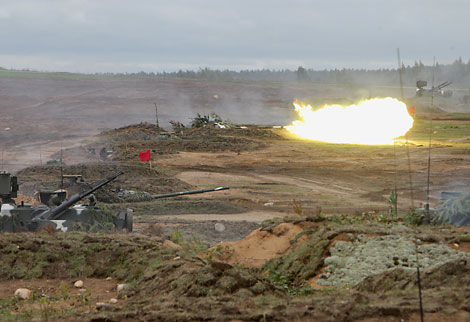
(374, 121)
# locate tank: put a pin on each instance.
(59, 213)
(435, 90)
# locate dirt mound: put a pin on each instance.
(167, 279)
(196, 278)
(255, 133)
(305, 260)
(127, 142)
(130, 151)
(261, 245)
(60, 255)
(134, 132)
(259, 133)
(292, 247)
(136, 177)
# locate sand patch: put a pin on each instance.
(260, 246)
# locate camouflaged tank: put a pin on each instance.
(58, 213)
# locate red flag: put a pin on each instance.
(144, 156)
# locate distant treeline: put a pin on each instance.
(457, 72)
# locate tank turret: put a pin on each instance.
(8, 187)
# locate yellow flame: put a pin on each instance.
(374, 121)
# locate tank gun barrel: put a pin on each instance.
(441, 86)
(190, 192)
(51, 214)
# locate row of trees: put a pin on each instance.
(457, 72)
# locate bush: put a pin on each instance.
(177, 126)
(203, 120)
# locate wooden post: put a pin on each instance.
(156, 115)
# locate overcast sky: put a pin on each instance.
(157, 35)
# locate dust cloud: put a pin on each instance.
(39, 116)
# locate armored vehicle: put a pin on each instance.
(436, 91)
(65, 216)
(58, 213)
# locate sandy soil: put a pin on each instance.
(260, 246)
(338, 181)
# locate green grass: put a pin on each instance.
(441, 130)
(75, 76)
(463, 116)
(53, 75)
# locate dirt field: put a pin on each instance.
(40, 113)
(292, 207)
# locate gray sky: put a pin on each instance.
(129, 36)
